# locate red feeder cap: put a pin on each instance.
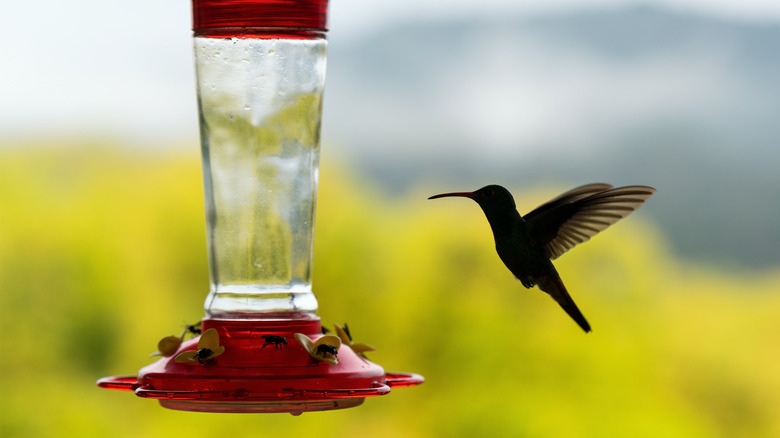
(294, 18)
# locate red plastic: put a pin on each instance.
(253, 18)
(250, 377)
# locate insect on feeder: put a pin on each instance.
(260, 67)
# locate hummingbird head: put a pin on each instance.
(489, 197)
(497, 204)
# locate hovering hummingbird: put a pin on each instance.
(528, 244)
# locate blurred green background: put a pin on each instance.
(102, 252)
(102, 235)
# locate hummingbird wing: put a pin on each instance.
(581, 213)
(546, 213)
(576, 193)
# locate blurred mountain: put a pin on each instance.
(689, 104)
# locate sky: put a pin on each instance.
(108, 68)
(357, 15)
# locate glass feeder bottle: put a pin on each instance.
(260, 90)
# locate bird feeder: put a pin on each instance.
(260, 67)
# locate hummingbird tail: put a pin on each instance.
(553, 285)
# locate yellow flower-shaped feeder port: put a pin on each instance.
(346, 338)
(208, 349)
(325, 348)
(169, 344)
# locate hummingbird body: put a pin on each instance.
(528, 244)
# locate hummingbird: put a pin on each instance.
(528, 244)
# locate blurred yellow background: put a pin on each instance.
(102, 253)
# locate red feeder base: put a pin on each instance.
(253, 375)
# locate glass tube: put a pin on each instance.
(260, 93)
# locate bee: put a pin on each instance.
(193, 329)
(203, 355)
(274, 340)
(325, 348)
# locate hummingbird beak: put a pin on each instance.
(460, 194)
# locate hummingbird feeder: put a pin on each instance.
(260, 68)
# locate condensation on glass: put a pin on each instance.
(260, 105)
